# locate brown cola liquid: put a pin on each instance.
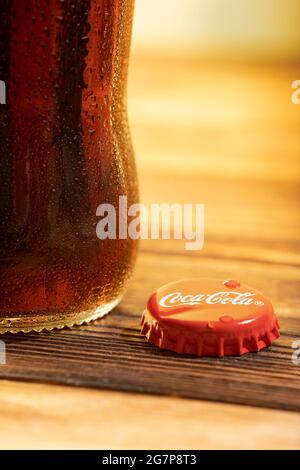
(64, 149)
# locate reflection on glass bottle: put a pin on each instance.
(64, 149)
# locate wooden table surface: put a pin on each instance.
(222, 134)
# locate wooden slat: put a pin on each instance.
(112, 354)
(244, 219)
(36, 416)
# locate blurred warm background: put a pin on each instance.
(212, 118)
(248, 29)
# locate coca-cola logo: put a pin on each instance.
(176, 299)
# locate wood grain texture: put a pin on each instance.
(38, 416)
(245, 219)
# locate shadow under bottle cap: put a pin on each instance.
(209, 317)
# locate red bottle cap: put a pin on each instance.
(209, 317)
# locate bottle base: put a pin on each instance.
(48, 322)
